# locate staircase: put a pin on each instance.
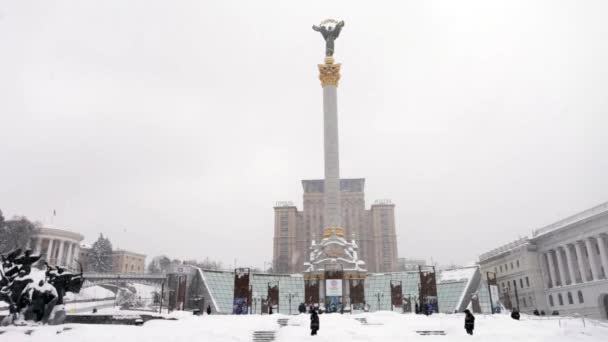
(362, 320)
(282, 322)
(430, 332)
(264, 336)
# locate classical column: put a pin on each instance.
(581, 263)
(77, 252)
(38, 246)
(601, 241)
(68, 257)
(551, 269)
(560, 267)
(329, 74)
(570, 262)
(595, 272)
(60, 259)
(49, 252)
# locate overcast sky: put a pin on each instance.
(172, 127)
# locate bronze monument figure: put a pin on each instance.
(329, 33)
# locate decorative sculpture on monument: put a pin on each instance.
(330, 30)
(34, 297)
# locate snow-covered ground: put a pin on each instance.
(93, 292)
(384, 326)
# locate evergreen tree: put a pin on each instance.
(100, 258)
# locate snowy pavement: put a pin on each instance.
(383, 326)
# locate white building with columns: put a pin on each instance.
(573, 256)
(57, 246)
(569, 259)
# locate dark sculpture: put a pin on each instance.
(31, 299)
(329, 34)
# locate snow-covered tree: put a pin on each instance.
(15, 233)
(159, 264)
(100, 257)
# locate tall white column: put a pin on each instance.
(60, 259)
(595, 272)
(581, 264)
(49, 252)
(601, 241)
(551, 269)
(570, 262)
(38, 246)
(560, 267)
(329, 74)
(68, 258)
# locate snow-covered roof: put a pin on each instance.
(459, 274)
(597, 210)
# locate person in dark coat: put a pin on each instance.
(515, 314)
(302, 308)
(536, 313)
(208, 309)
(314, 323)
(469, 322)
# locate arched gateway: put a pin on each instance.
(334, 278)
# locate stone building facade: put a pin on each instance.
(122, 261)
(567, 262)
(373, 229)
(128, 262)
(518, 276)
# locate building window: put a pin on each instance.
(527, 282)
(524, 299)
(495, 270)
(509, 285)
(511, 264)
(560, 299)
(580, 297)
(570, 300)
(517, 262)
(514, 284)
(550, 300)
(521, 283)
(500, 268)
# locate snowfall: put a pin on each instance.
(381, 326)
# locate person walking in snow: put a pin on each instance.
(515, 314)
(208, 309)
(302, 308)
(314, 322)
(469, 322)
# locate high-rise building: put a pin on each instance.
(373, 229)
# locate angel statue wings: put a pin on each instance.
(329, 33)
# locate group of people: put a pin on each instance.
(426, 309)
(29, 298)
